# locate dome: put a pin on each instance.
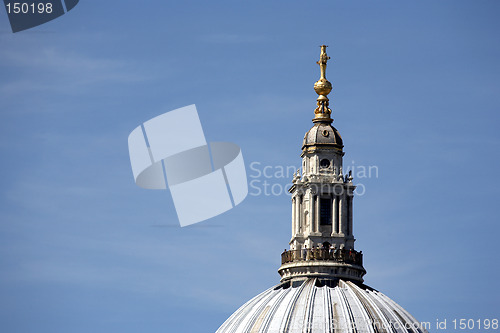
(324, 135)
(321, 289)
(321, 306)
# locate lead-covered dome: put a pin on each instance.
(323, 135)
(322, 288)
(320, 306)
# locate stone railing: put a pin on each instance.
(337, 255)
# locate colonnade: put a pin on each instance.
(341, 213)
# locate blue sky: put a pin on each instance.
(416, 94)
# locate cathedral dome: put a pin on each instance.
(321, 306)
(324, 135)
(321, 287)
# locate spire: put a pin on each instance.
(322, 87)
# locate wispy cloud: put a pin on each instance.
(149, 267)
(55, 69)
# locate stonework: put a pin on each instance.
(321, 287)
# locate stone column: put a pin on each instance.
(294, 221)
(298, 214)
(335, 214)
(312, 215)
(316, 220)
(342, 214)
(350, 215)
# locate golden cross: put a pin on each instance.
(323, 58)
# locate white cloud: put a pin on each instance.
(47, 68)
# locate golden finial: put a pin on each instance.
(322, 87)
(323, 59)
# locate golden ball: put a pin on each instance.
(322, 87)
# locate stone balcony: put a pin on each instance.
(338, 255)
(322, 263)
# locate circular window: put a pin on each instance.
(325, 133)
(324, 163)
